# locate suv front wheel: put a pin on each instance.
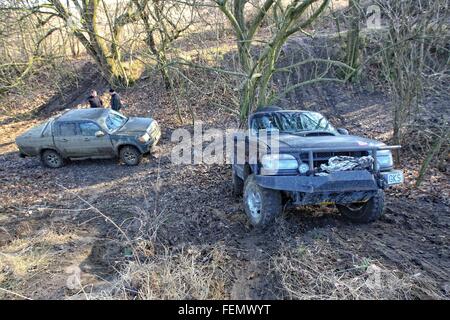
(261, 205)
(366, 212)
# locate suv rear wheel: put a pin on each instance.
(52, 159)
(130, 155)
(367, 212)
(261, 205)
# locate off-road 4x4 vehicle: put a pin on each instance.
(314, 164)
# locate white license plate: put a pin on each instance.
(395, 177)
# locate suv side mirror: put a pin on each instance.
(342, 131)
(99, 134)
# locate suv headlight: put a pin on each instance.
(384, 159)
(279, 162)
(144, 138)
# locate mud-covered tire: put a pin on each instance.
(372, 210)
(52, 159)
(238, 184)
(261, 205)
(130, 155)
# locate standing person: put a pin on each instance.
(116, 104)
(94, 100)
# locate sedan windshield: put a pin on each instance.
(114, 120)
(291, 122)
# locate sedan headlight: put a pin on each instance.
(274, 162)
(152, 126)
(144, 138)
(384, 159)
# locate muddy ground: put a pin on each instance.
(53, 222)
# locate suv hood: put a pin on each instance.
(135, 124)
(295, 141)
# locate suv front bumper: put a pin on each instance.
(341, 181)
(342, 187)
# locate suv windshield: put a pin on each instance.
(291, 122)
(114, 121)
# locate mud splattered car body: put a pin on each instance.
(90, 134)
(294, 173)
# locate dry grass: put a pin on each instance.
(192, 273)
(24, 255)
(155, 271)
(319, 273)
(24, 258)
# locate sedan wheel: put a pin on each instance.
(130, 155)
(52, 159)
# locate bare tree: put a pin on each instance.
(353, 41)
(17, 48)
(258, 56)
(82, 20)
(164, 21)
(411, 62)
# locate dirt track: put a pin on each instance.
(411, 240)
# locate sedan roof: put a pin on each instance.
(83, 114)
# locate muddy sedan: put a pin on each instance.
(90, 134)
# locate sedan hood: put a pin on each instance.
(344, 141)
(135, 124)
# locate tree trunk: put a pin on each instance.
(435, 149)
(352, 51)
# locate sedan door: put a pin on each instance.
(97, 142)
(68, 139)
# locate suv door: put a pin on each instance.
(68, 140)
(95, 145)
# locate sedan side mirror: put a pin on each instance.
(343, 131)
(99, 134)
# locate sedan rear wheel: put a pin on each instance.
(52, 159)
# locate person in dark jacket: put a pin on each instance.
(116, 104)
(94, 100)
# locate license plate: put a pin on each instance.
(395, 177)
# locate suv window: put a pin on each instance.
(89, 128)
(291, 122)
(66, 129)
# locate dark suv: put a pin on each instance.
(313, 163)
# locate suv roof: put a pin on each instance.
(82, 114)
(276, 109)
